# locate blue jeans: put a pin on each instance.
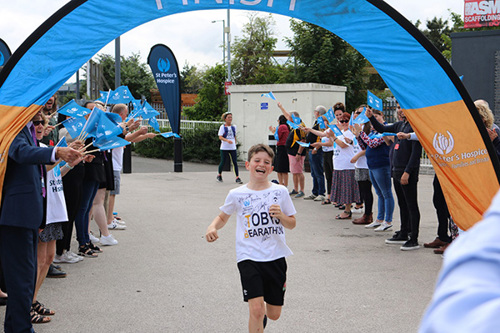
(89, 191)
(381, 180)
(316, 163)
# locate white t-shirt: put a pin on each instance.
(117, 154)
(342, 156)
(230, 136)
(56, 204)
(259, 237)
(326, 148)
(361, 162)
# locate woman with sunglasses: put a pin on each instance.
(345, 189)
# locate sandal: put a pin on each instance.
(341, 207)
(94, 248)
(326, 202)
(340, 217)
(38, 319)
(41, 309)
(86, 251)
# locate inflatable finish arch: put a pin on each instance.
(436, 103)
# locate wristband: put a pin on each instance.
(68, 166)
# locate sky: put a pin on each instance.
(18, 19)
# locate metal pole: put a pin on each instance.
(228, 57)
(77, 92)
(117, 63)
(223, 42)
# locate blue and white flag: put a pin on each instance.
(154, 123)
(170, 134)
(269, 95)
(276, 135)
(296, 119)
(62, 143)
(74, 126)
(321, 122)
(146, 112)
(330, 115)
(114, 117)
(121, 95)
(90, 127)
(107, 128)
(104, 96)
(380, 135)
(374, 101)
(303, 144)
(110, 143)
(292, 125)
(335, 130)
(361, 118)
(72, 109)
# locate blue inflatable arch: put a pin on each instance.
(419, 77)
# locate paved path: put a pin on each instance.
(164, 277)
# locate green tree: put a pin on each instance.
(134, 74)
(211, 100)
(436, 29)
(252, 61)
(322, 57)
(190, 79)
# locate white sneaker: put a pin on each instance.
(374, 224)
(384, 227)
(74, 255)
(65, 259)
(320, 198)
(118, 222)
(114, 226)
(108, 240)
(93, 238)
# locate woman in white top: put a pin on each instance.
(227, 136)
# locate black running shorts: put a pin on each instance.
(267, 279)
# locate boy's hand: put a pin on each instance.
(275, 211)
(211, 235)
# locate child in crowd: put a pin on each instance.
(263, 210)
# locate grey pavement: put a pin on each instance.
(164, 277)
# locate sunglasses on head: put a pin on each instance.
(343, 121)
(38, 122)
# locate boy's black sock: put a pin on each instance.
(265, 321)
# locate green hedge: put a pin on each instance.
(201, 145)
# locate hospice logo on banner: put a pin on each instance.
(163, 64)
(481, 13)
(374, 101)
(4, 52)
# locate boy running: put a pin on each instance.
(263, 210)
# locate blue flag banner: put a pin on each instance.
(107, 128)
(330, 115)
(90, 127)
(154, 123)
(351, 119)
(114, 117)
(148, 111)
(321, 122)
(170, 134)
(107, 143)
(335, 130)
(361, 118)
(276, 135)
(120, 95)
(303, 144)
(166, 73)
(292, 125)
(4, 52)
(296, 120)
(62, 142)
(74, 126)
(380, 135)
(72, 109)
(374, 101)
(104, 96)
(269, 95)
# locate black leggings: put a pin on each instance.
(442, 212)
(366, 195)
(408, 204)
(232, 155)
(328, 169)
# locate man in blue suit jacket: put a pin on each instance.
(21, 215)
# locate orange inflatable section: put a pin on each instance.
(457, 151)
(12, 120)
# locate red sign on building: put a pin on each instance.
(227, 84)
(481, 13)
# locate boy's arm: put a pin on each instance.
(219, 222)
(288, 222)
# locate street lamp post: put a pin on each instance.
(223, 39)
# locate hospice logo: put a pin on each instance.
(445, 144)
(442, 143)
(163, 65)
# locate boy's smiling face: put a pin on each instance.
(260, 166)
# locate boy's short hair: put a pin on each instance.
(119, 108)
(258, 148)
(224, 115)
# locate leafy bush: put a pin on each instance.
(201, 145)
